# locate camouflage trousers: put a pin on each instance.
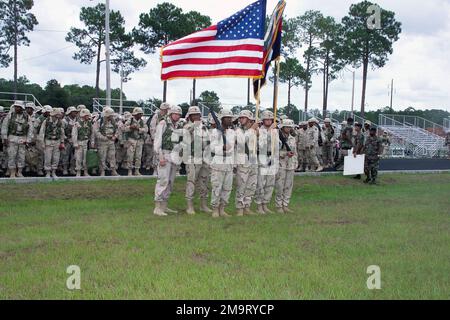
(264, 189)
(386, 151)
(283, 187)
(32, 158)
(302, 161)
(371, 167)
(311, 155)
(148, 155)
(221, 185)
(16, 152)
(107, 152)
(166, 179)
(121, 156)
(68, 156)
(246, 181)
(340, 163)
(197, 179)
(80, 156)
(134, 154)
(40, 155)
(328, 155)
(51, 154)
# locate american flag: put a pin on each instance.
(232, 48)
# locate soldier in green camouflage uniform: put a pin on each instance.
(136, 133)
(3, 158)
(346, 142)
(358, 143)
(53, 137)
(16, 134)
(167, 145)
(39, 144)
(373, 148)
(82, 134)
(447, 143)
(197, 166)
(329, 143)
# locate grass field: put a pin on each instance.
(321, 251)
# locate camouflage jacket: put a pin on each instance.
(373, 147)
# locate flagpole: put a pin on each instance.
(258, 103)
(275, 89)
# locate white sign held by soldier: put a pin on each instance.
(352, 165)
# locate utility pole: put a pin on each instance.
(353, 94)
(392, 92)
(108, 60)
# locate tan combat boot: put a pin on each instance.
(102, 172)
(240, 212)
(319, 169)
(222, 212)
(54, 174)
(86, 173)
(12, 173)
(114, 173)
(137, 173)
(130, 172)
(48, 174)
(287, 210)
(204, 206)
(215, 213)
(159, 209)
(261, 209)
(78, 173)
(280, 210)
(266, 209)
(19, 173)
(249, 212)
(190, 207)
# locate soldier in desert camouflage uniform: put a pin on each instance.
(136, 131)
(106, 133)
(82, 134)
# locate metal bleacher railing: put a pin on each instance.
(418, 141)
(127, 106)
(8, 98)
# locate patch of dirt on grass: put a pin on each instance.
(200, 257)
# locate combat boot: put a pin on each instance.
(222, 212)
(114, 173)
(72, 172)
(12, 173)
(78, 173)
(261, 209)
(266, 209)
(102, 172)
(280, 210)
(215, 213)
(137, 173)
(86, 173)
(48, 174)
(287, 210)
(54, 174)
(159, 209)
(240, 212)
(319, 169)
(249, 212)
(204, 206)
(65, 172)
(367, 180)
(190, 207)
(19, 173)
(130, 172)
(40, 173)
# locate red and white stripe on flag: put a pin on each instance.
(229, 49)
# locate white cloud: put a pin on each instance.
(419, 64)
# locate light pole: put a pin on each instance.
(108, 62)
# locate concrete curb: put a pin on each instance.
(123, 178)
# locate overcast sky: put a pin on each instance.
(420, 63)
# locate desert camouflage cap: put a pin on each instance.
(108, 112)
(137, 111)
(20, 104)
(30, 105)
(193, 110)
(84, 113)
(312, 120)
(165, 106)
(226, 114)
(246, 114)
(327, 120)
(287, 123)
(175, 110)
(267, 115)
(55, 112)
(70, 110)
(47, 109)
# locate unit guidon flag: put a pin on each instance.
(232, 48)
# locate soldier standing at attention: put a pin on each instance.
(167, 140)
(301, 146)
(16, 133)
(53, 137)
(68, 155)
(3, 158)
(246, 163)
(447, 143)
(106, 134)
(136, 130)
(39, 144)
(197, 167)
(222, 150)
(82, 134)
(386, 144)
(268, 137)
(160, 115)
(373, 148)
(346, 142)
(288, 164)
(312, 144)
(328, 144)
(358, 143)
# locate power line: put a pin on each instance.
(47, 54)
(50, 30)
